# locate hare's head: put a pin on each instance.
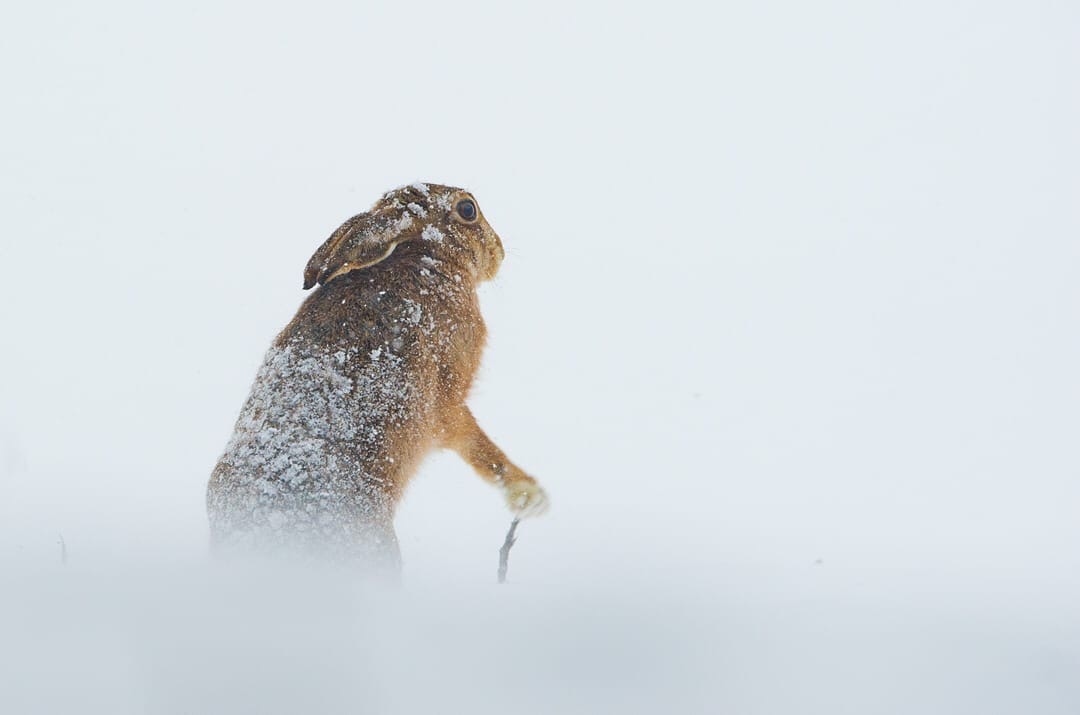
(446, 218)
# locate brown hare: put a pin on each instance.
(368, 378)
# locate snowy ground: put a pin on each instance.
(816, 640)
(787, 328)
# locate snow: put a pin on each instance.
(432, 233)
(402, 224)
(786, 327)
(443, 202)
(305, 415)
(319, 640)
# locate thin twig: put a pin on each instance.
(504, 552)
(63, 550)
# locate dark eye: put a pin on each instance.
(466, 209)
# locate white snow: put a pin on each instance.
(432, 233)
(304, 416)
(443, 202)
(786, 327)
(403, 223)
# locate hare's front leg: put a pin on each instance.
(523, 495)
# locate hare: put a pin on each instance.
(369, 377)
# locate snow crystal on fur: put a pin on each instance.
(292, 456)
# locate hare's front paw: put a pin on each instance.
(526, 498)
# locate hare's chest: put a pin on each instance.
(456, 352)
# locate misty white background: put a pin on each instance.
(786, 327)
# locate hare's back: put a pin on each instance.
(315, 435)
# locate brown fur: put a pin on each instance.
(397, 288)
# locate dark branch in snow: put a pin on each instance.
(504, 552)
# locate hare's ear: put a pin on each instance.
(356, 244)
(319, 263)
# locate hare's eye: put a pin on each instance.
(466, 209)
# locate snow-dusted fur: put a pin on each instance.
(370, 376)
